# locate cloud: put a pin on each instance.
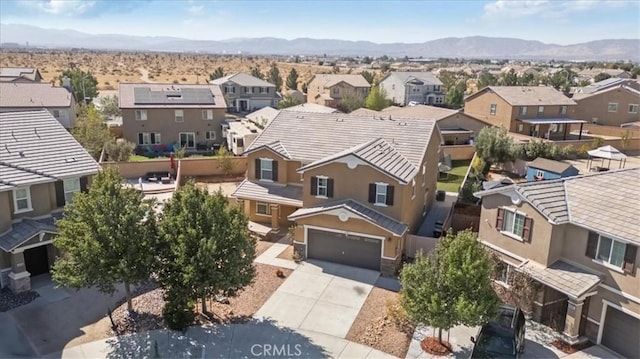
(62, 7)
(546, 8)
(195, 10)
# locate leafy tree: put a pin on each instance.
(288, 101)
(451, 286)
(454, 97)
(350, 101)
(486, 79)
(106, 237)
(109, 106)
(119, 150)
(205, 249)
(509, 78)
(91, 131)
(448, 79)
(255, 72)
(494, 145)
(601, 76)
(225, 162)
(369, 76)
(292, 80)
(83, 84)
(367, 60)
(274, 76)
(377, 99)
(217, 73)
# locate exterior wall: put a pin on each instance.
(66, 115)
(532, 112)
(395, 90)
(459, 152)
(43, 201)
(255, 95)
(250, 211)
(596, 106)
(596, 306)
(6, 203)
(460, 120)
(480, 107)
(189, 167)
(316, 88)
(162, 120)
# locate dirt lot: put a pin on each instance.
(373, 325)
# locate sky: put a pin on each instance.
(549, 21)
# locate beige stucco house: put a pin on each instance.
(246, 93)
(20, 74)
(329, 89)
(578, 237)
(351, 187)
(610, 102)
(41, 167)
(29, 96)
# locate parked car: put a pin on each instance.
(502, 337)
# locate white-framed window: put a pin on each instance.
(141, 115)
(610, 251)
(22, 200)
(523, 110)
(633, 108)
(612, 107)
(187, 139)
(539, 173)
(179, 115)
(540, 110)
(493, 108)
(229, 89)
(263, 209)
(381, 194)
(335, 90)
(149, 138)
(413, 189)
(210, 135)
(266, 169)
(207, 115)
(262, 90)
(322, 186)
(563, 110)
(71, 187)
(520, 128)
(513, 222)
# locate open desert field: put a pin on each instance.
(111, 68)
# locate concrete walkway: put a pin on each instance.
(438, 212)
(270, 256)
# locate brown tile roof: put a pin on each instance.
(269, 192)
(550, 165)
(127, 97)
(33, 95)
(563, 277)
(528, 95)
(328, 80)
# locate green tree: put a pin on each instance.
(217, 73)
(451, 286)
(274, 76)
(109, 106)
(83, 84)
(106, 237)
(601, 76)
(350, 101)
(369, 76)
(255, 72)
(377, 99)
(448, 79)
(91, 131)
(288, 101)
(494, 145)
(509, 78)
(486, 79)
(454, 97)
(292, 80)
(206, 250)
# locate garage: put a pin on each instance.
(621, 332)
(353, 250)
(258, 104)
(37, 260)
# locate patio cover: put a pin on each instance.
(543, 121)
(563, 277)
(607, 152)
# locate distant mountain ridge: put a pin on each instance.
(465, 47)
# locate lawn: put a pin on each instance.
(456, 176)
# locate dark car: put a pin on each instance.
(502, 337)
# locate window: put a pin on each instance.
(146, 138)
(179, 115)
(514, 224)
(503, 273)
(520, 128)
(210, 135)
(540, 110)
(22, 200)
(263, 209)
(492, 109)
(56, 113)
(229, 89)
(141, 115)
(322, 186)
(266, 169)
(523, 111)
(381, 194)
(633, 108)
(207, 115)
(563, 110)
(611, 251)
(613, 107)
(187, 139)
(539, 174)
(436, 88)
(71, 186)
(262, 90)
(335, 90)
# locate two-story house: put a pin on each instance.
(329, 89)
(166, 116)
(351, 186)
(537, 111)
(41, 168)
(611, 102)
(246, 93)
(20, 74)
(577, 237)
(25, 96)
(403, 88)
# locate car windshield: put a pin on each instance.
(495, 345)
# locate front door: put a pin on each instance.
(36, 260)
(243, 105)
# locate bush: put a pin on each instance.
(568, 151)
(178, 311)
(583, 150)
(597, 142)
(119, 150)
(399, 317)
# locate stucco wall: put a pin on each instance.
(459, 152)
(596, 106)
(189, 167)
(479, 107)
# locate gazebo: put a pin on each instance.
(605, 153)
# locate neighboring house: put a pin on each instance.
(542, 169)
(263, 116)
(609, 105)
(41, 168)
(351, 188)
(537, 111)
(577, 237)
(164, 116)
(329, 89)
(246, 93)
(239, 134)
(299, 96)
(404, 88)
(24, 96)
(19, 74)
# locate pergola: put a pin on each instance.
(552, 121)
(606, 153)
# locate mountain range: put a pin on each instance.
(466, 47)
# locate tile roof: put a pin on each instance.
(425, 77)
(379, 219)
(129, 93)
(550, 165)
(263, 116)
(364, 112)
(243, 79)
(528, 95)
(13, 73)
(36, 148)
(25, 229)
(420, 111)
(582, 95)
(33, 95)
(311, 107)
(602, 85)
(328, 80)
(269, 192)
(311, 137)
(563, 277)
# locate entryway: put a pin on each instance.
(243, 105)
(36, 260)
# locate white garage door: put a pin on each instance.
(258, 104)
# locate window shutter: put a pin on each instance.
(274, 177)
(592, 244)
(629, 263)
(140, 139)
(372, 193)
(233, 89)
(330, 187)
(390, 195)
(500, 219)
(526, 230)
(257, 168)
(60, 202)
(314, 185)
(83, 184)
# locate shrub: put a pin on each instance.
(399, 317)
(583, 150)
(597, 142)
(119, 150)
(568, 151)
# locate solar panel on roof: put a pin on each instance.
(172, 96)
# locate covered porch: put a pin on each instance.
(548, 128)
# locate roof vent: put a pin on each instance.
(402, 123)
(339, 119)
(21, 153)
(72, 159)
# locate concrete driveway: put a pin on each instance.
(320, 297)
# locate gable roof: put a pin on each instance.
(242, 79)
(527, 95)
(27, 228)
(427, 78)
(582, 95)
(550, 165)
(34, 95)
(156, 95)
(36, 149)
(329, 80)
(269, 192)
(311, 107)
(13, 73)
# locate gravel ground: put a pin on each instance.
(374, 328)
(10, 300)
